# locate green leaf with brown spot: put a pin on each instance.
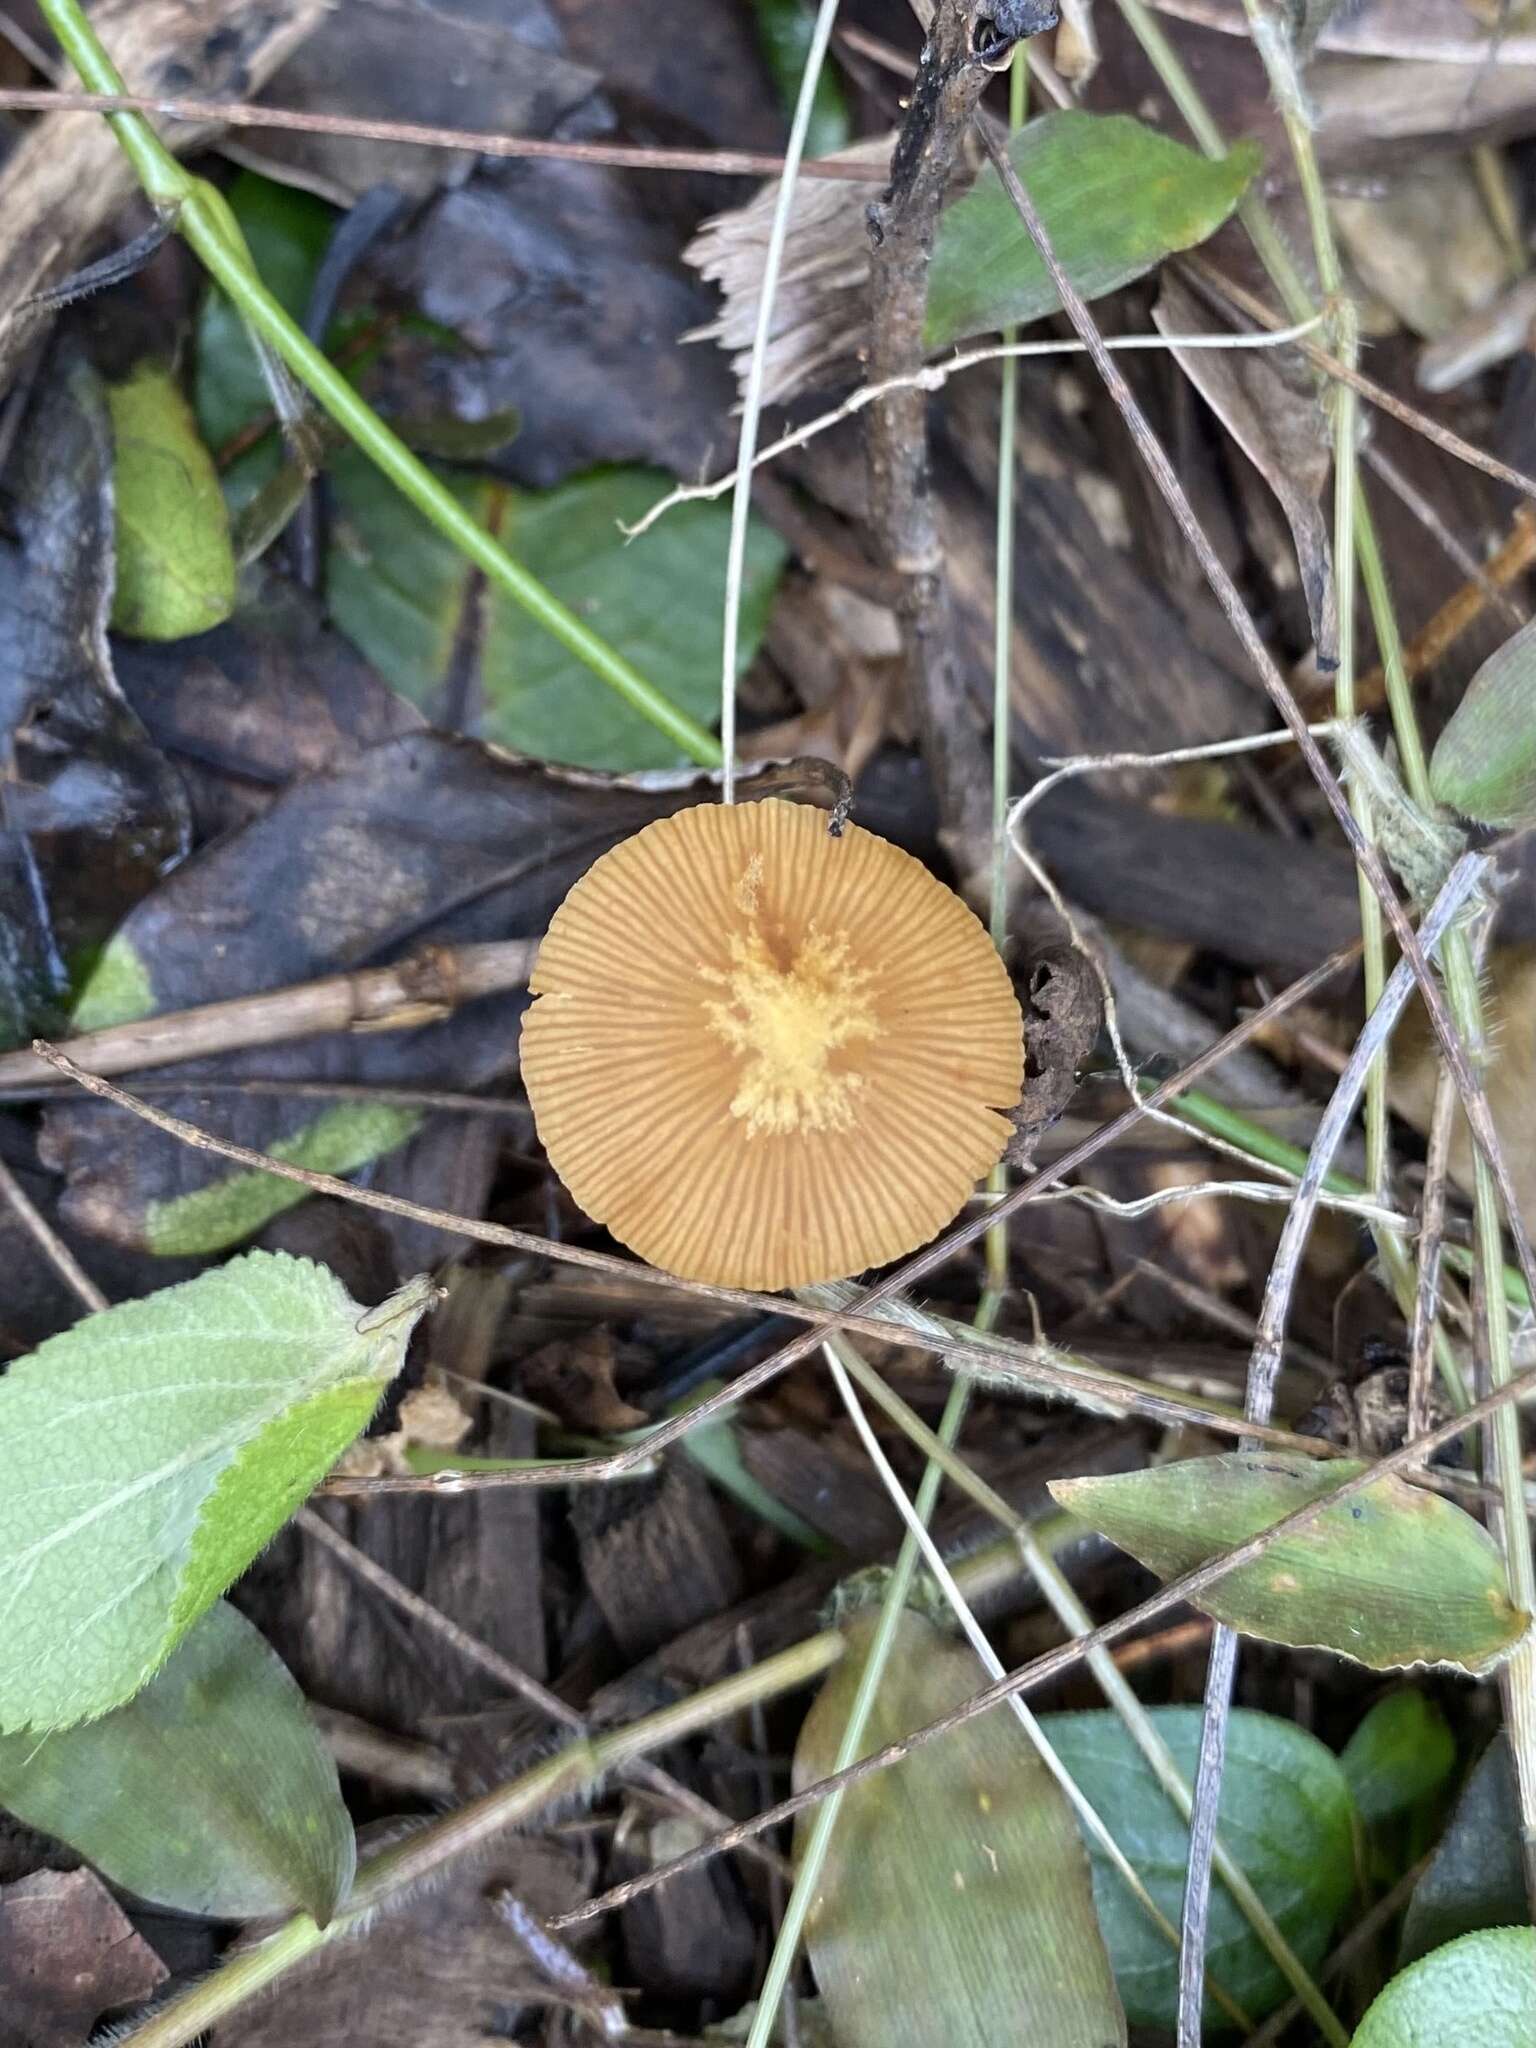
(1393, 1576)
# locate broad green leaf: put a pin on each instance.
(147, 1454)
(1286, 1815)
(175, 565)
(210, 1791)
(1115, 198)
(411, 603)
(784, 30)
(1480, 1989)
(1400, 1755)
(1485, 762)
(957, 1885)
(1476, 1877)
(1391, 1577)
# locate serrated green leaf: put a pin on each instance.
(1400, 1755)
(955, 1903)
(1485, 762)
(1286, 1816)
(175, 564)
(210, 1791)
(399, 590)
(1393, 1576)
(1115, 198)
(147, 1454)
(1481, 1988)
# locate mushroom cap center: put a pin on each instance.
(787, 1018)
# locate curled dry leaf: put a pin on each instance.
(1393, 1576)
(765, 1056)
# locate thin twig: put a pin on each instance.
(726, 163)
(933, 377)
(419, 990)
(58, 1252)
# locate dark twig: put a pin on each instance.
(966, 44)
(1263, 1370)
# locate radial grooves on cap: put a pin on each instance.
(633, 1087)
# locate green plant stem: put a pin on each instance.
(204, 221)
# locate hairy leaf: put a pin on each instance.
(956, 1885)
(1286, 1815)
(1115, 198)
(147, 1454)
(1393, 1576)
(210, 1791)
(1481, 1988)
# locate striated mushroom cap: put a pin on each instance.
(765, 1057)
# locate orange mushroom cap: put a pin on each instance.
(765, 1057)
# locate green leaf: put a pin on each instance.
(1399, 1756)
(784, 30)
(956, 1886)
(147, 1454)
(1115, 198)
(409, 601)
(1485, 763)
(1481, 1989)
(1286, 1815)
(1393, 1576)
(175, 565)
(211, 1791)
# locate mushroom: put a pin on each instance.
(763, 1056)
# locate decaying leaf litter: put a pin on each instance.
(300, 768)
